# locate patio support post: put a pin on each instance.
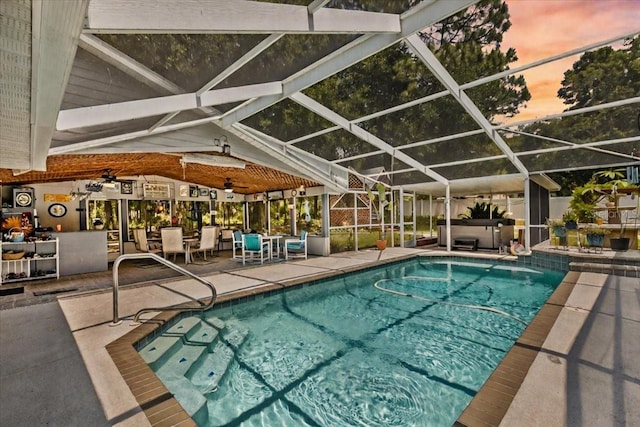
(415, 219)
(430, 215)
(447, 214)
(527, 213)
(355, 221)
(325, 215)
(401, 214)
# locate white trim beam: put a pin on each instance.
(223, 16)
(429, 59)
(280, 151)
(129, 110)
(356, 130)
(419, 17)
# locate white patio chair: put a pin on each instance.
(208, 240)
(237, 244)
(142, 245)
(296, 248)
(172, 243)
(254, 246)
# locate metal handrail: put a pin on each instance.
(203, 307)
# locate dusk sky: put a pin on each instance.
(543, 28)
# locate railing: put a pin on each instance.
(203, 307)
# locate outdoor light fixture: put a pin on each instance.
(226, 149)
(208, 160)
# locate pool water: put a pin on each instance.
(412, 351)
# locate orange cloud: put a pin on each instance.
(543, 28)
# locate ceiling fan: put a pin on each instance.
(229, 186)
(108, 176)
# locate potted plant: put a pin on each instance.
(383, 204)
(570, 220)
(595, 236)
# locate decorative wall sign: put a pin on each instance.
(183, 190)
(193, 191)
(57, 210)
(204, 192)
(126, 187)
(156, 191)
(213, 194)
(23, 199)
(57, 198)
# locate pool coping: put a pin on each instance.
(487, 408)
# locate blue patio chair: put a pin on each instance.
(296, 248)
(254, 246)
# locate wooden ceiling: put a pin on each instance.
(256, 178)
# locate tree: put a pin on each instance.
(597, 77)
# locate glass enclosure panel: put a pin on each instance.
(440, 117)
(471, 147)
(374, 84)
(408, 234)
(287, 56)
(148, 214)
(341, 240)
(103, 214)
(191, 216)
(413, 177)
(478, 169)
(230, 214)
(375, 161)
(367, 237)
(257, 216)
(287, 120)
(386, 6)
(341, 210)
(188, 60)
(309, 214)
(336, 145)
(280, 216)
(566, 160)
(519, 143)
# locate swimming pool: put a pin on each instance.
(408, 344)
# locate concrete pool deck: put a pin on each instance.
(586, 372)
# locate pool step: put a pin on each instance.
(181, 361)
(163, 347)
(207, 372)
(192, 400)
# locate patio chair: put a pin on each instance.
(208, 240)
(254, 246)
(296, 248)
(237, 244)
(172, 243)
(142, 245)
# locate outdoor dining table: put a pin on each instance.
(271, 239)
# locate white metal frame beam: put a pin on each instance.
(421, 50)
(366, 136)
(122, 111)
(419, 17)
(224, 16)
(299, 159)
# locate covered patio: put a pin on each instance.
(271, 108)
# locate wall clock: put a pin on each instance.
(23, 199)
(57, 210)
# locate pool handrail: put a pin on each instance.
(203, 307)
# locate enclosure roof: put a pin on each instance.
(167, 77)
